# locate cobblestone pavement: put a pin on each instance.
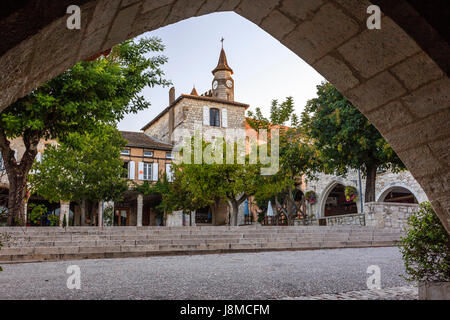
(395, 293)
(265, 275)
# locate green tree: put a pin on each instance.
(297, 159)
(91, 93)
(83, 167)
(199, 185)
(345, 139)
(173, 196)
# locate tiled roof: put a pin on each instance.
(194, 92)
(203, 98)
(223, 63)
(141, 140)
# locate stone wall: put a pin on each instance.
(188, 117)
(193, 118)
(160, 129)
(387, 180)
(388, 215)
(346, 220)
(175, 219)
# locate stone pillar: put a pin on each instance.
(193, 218)
(140, 205)
(100, 213)
(25, 209)
(241, 216)
(64, 212)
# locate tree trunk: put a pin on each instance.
(83, 212)
(234, 212)
(290, 207)
(16, 199)
(17, 172)
(370, 183)
(214, 210)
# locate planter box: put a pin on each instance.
(434, 291)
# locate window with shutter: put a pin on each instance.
(147, 175)
(205, 116)
(169, 172)
(131, 170)
(155, 171)
(141, 171)
(224, 118)
(214, 118)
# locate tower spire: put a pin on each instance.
(223, 83)
(194, 91)
(223, 63)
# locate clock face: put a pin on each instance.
(215, 85)
(229, 83)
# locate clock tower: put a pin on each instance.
(223, 83)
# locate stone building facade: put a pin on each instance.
(213, 114)
(190, 113)
(397, 196)
(146, 160)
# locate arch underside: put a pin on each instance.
(396, 76)
(397, 187)
(326, 194)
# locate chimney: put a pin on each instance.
(171, 95)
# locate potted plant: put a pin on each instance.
(351, 194)
(311, 197)
(426, 253)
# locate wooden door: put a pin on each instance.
(121, 217)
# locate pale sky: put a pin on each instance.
(263, 68)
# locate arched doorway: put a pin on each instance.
(396, 76)
(398, 195)
(336, 204)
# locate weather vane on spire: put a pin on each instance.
(222, 40)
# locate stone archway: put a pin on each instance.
(386, 190)
(396, 76)
(326, 193)
(398, 195)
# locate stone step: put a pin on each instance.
(214, 229)
(103, 243)
(53, 243)
(95, 252)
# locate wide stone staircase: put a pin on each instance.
(54, 243)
